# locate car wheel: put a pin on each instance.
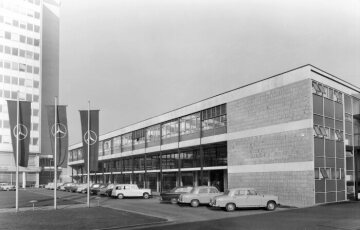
(194, 203)
(146, 195)
(121, 196)
(271, 206)
(7, 189)
(173, 200)
(83, 191)
(230, 207)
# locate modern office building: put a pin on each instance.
(29, 63)
(295, 135)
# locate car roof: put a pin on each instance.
(242, 189)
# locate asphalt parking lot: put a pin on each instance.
(153, 214)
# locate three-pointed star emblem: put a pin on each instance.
(60, 130)
(92, 137)
(20, 131)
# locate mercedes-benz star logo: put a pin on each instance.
(20, 130)
(60, 131)
(92, 137)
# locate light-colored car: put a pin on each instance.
(7, 187)
(130, 190)
(199, 195)
(244, 198)
(49, 186)
(81, 188)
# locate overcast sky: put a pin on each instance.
(134, 59)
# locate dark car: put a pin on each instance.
(95, 188)
(173, 195)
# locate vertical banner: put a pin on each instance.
(22, 129)
(91, 133)
(59, 129)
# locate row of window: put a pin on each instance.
(21, 67)
(19, 81)
(20, 38)
(19, 52)
(327, 92)
(3, 108)
(20, 9)
(329, 173)
(327, 133)
(23, 96)
(21, 24)
(6, 139)
(215, 118)
(5, 124)
(185, 159)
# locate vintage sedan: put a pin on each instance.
(95, 188)
(172, 196)
(7, 187)
(244, 198)
(199, 195)
(130, 190)
(81, 188)
(106, 190)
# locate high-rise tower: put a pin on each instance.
(29, 63)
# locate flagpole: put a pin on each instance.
(55, 154)
(17, 152)
(88, 158)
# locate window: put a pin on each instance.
(6, 124)
(317, 173)
(29, 41)
(190, 124)
(213, 190)
(36, 29)
(14, 80)
(21, 81)
(153, 133)
(36, 70)
(7, 79)
(22, 53)
(7, 35)
(30, 27)
(339, 136)
(29, 54)
(126, 140)
(315, 88)
(138, 136)
(15, 51)
(22, 38)
(7, 50)
(35, 141)
(36, 56)
(323, 173)
(15, 66)
(36, 84)
(35, 126)
(117, 144)
(321, 131)
(36, 42)
(203, 190)
(22, 67)
(37, 15)
(240, 193)
(15, 23)
(170, 129)
(35, 112)
(338, 96)
(29, 68)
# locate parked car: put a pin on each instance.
(172, 196)
(7, 187)
(73, 187)
(68, 187)
(244, 198)
(130, 190)
(199, 195)
(62, 187)
(106, 190)
(81, 188)
(49, 186)
(95, 188)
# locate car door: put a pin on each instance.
(203, 195)
(254, 199)
(240, 198)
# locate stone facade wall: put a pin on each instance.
(284, 105)
(281, 105)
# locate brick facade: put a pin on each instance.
(279, 106)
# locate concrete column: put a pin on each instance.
(158, 182)
(24, 180)
(37, 180)
(196, 179)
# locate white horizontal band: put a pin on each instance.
(275, 167)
